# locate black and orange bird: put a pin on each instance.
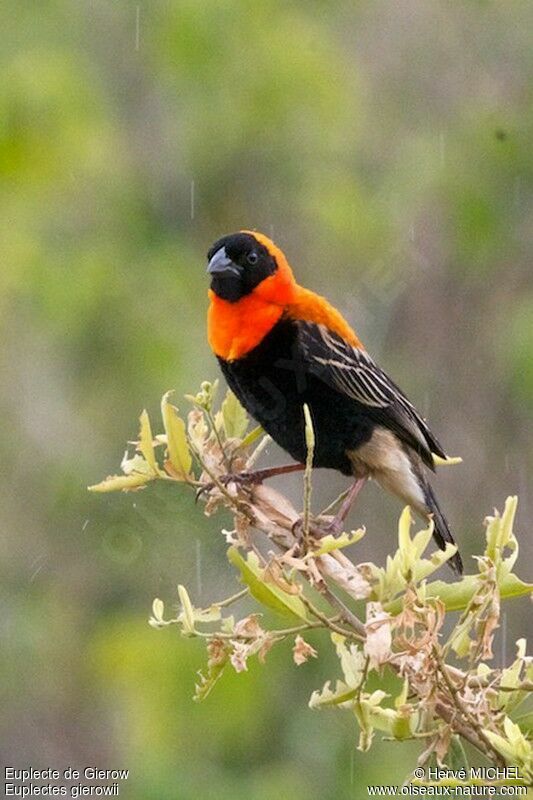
(280, 346)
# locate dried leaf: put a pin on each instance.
(239, 656)
(218, 655)
(259, 641)
(349, 577)
(197, 428)
(273, 573)
(378, 640)
(249, 627)
(302, 651)
(273, 505)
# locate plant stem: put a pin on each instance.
(327, 621)
(233, 599)
(212, 422)
(465, 712)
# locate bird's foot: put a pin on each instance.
(334, 527)
(251, 478)
(239, 478)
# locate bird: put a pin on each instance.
(281, 346)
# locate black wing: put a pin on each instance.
(352, 372)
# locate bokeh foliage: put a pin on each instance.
(387, 148)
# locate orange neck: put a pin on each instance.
(234, 329)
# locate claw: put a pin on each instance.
(242, 478)
(251, 478)
(297, 528)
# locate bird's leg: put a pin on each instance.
(252, 478)
(260, 475)
(337, 523)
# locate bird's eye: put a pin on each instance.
(252, 258)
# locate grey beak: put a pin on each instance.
(221, 263)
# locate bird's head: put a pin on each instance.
(246, 263)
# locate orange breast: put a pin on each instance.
(233, 329)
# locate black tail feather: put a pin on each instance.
(441, 532)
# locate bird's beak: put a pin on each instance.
(222, 264)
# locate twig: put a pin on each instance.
(233, 599)
(277, 634)
(348, 615)
(327, 621)
(463, 709)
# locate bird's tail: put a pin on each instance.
(441, 532)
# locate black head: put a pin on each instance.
(237, 264)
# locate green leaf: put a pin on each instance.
(251, 437)
(332, 697)
(456, 758)
(460, 640)
(514, 746)
(405, 545)
(500, 536)
(371, 715)
(136, 465)
(511, 677)
(525, 723)
(234, 417)
(146, 446)
(457, 595)
(116, 483)
(329, 542)
(186, 616)
(352, 660)
(158, 609)
(179, 454)
(265, 593)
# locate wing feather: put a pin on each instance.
(353, 372)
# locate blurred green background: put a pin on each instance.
(387, 148)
